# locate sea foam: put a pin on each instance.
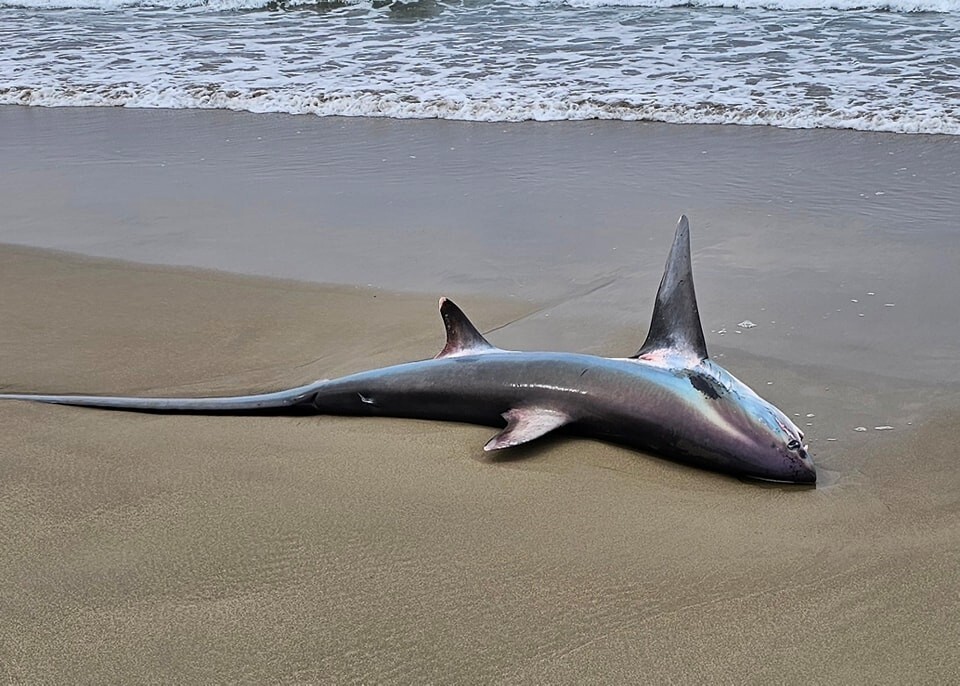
(904, 6)
(496, 61)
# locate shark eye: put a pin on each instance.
(793, 445)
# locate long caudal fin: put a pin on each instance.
(301, 396)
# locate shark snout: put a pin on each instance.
(788, 462)
(803, 469)
(789, 467)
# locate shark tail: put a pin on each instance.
(301, 397)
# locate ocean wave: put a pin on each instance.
(485, 110)
(899, 6)
(209, 5)
(492, 61)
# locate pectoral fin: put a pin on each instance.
(525, 424)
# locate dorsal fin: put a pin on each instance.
(675, 327)
(462, 336)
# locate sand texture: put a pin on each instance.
(144, 548)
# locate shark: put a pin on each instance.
(669, 398)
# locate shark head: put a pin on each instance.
(733, 428)
(777, 451)
(739, 431)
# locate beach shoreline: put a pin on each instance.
(341, 550)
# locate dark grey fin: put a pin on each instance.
(286, 399)
(675, 327)
(462, 336)
(525, 424)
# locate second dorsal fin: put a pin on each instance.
(462, 336)
(675, 327)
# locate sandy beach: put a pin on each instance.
(189, 252)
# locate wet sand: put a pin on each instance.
(331, 550)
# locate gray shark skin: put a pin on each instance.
(669, 398)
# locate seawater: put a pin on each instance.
(862, 64)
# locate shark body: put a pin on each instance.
(668, 398)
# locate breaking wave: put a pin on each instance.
(900, 6)
(492, 109)
(498, 60)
